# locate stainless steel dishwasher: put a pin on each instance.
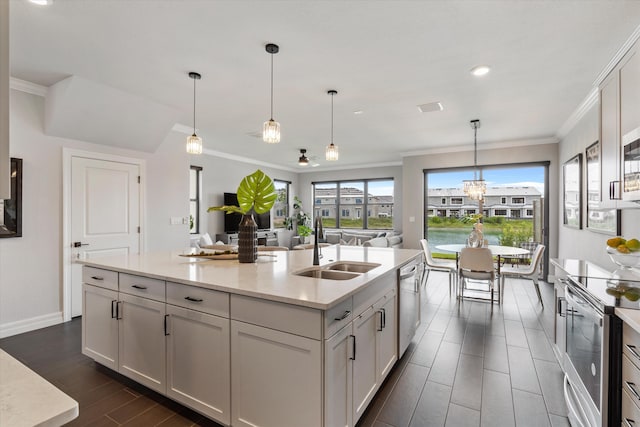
(409, 303)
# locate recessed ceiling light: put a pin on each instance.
(480, 70)
(41, 2)
(358, 112)
(431, 106)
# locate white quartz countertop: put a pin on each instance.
(270, 277)
(27, 399)
(630, 317)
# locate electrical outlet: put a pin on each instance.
(412, 219)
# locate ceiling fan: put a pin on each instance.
(306, 161)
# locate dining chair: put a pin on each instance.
(477, 264)
(447, 266)
(530, 272)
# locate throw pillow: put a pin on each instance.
(205, 240)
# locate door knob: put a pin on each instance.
(78, 244)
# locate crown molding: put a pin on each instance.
(349, 167)
(586, 104)
(634, 37)
(28, 87)
(483, 147)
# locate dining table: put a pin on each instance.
(498, 251)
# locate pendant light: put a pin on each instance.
(271, 128)
(303, 160)
(194, 142)
(331, 153)
(475, 189)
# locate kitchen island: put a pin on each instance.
(256, 344)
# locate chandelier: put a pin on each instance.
(475, 189)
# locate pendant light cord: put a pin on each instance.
(194, 106)
(272, 86)
(332, 118)
(475, 152)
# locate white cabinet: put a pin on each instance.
(387, 335)
(276, 378)
(338, 373)
(141, 341)
(619, 114)
(198, 368)
(357, 360)
(99, 325)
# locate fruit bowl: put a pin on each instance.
(623, 260)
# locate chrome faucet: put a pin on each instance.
(318, 232)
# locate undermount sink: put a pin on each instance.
(317, 273)
(356, 267)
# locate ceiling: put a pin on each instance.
(383, 57)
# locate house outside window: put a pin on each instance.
(503, 200)
(529, 212)
(517, 200)
(454, 213)
(281, 206)
(500, 212)
(470, 211)
(443, 201)
(348, 201)
(195, 179)
(456, 200)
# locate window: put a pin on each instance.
(500, 212)
(281, 206)
(529, 212)
(517, 200)
(195, 178)
(470, 211)
(503, 200)
(346, 203)
(454, 213)
(443, 201)
(456, 200)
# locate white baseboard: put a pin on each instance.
(26, 325)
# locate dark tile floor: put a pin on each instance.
(467, 366)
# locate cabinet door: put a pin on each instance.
(276, 378)
(609, 135)
(365, 375)
(630, 92)
(338, 366)
(99, 325)
(387, 338)
(198, 368)
(142, 341)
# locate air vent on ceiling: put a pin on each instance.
(431, 106)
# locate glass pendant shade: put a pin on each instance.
(331, 154)
(271, 132)
(194, 144)
(475, 189)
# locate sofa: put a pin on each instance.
(382, 239)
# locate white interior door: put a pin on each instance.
(105, 214)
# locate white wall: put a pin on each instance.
(31, 266)
(413, 178)
(221, 176)
(305, 189)
(586, 244)
(5, 166)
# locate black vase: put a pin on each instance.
(247, 239)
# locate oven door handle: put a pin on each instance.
(584, 308)
(570, 398)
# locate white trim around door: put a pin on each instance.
(67, 251)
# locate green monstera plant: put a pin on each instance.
(256, 192)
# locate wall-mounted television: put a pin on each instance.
(232, 220)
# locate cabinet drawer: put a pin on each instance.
(294, 319)
(98, 277)
(336, 317)
(201, 299)
(382, 301)
(631, 379)
(631, 344)
(142, 286)
(630, 413)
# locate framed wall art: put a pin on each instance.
(600, 220)
(572, 192)
(11, 209)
